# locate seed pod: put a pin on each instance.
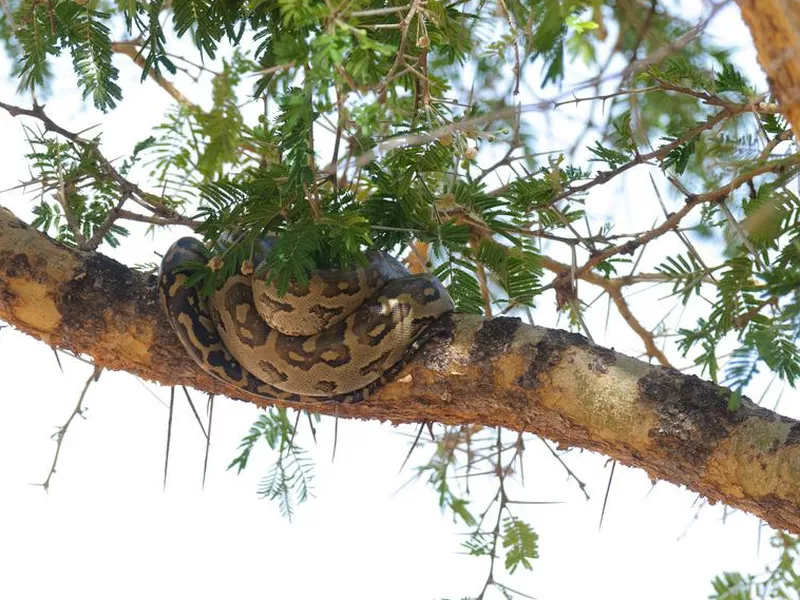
(247, 267)
(215, 263)
(447, 200)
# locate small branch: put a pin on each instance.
(644, 334)
(400, 60)
(570, 472)
(160, 221)
(605, 176)
(37, 112)
(376, 12)
(674, 46)
(63, 199)
(195, 413)
(741, 321)
(132, 51)
(740, 233)
(127, 188)
(101, 232)
(691, 203)
(62, 431)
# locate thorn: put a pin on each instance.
(58, 360)
(413, 445)
(313, 429)
(169, 433)
(210, 411)
(608, 489)
(194, 410)
(335, 431)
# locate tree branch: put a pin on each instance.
(132, 50)
(775, 27)
(490, 372)
(127, 188)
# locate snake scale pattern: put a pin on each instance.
(336, 339)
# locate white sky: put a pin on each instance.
(107, 530)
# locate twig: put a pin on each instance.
(739, 231)
(311, 427)
(375, 12)
(160, 221)
(101, 232)
(691, 203)
(335, 433)
(133, 51)
(127, 188)
(659, 153)
(62, 431)
(63, 199)
(680, 43)
(570, 473)
(644, 334)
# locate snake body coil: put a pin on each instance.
(337, 338)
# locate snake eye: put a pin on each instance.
(296, 356)
(377, 330)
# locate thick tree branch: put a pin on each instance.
(496, 372)
(775, 27)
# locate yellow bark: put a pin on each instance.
(775, 27)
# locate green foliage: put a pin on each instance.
(678, 157)
(439, 478)
(612, 158)
(293, 126)
(76, 208)
(520, 543)
(37, 39)
(367, 135)
(289, 480)
(222, 125)
(202, 19)
(90, 44)
(45, 29)
(731, 80)
(781, 581)
(685, 273)
(461, 283)
(516, 270)
(154, 48)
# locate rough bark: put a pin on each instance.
(491, 372)
(775, 27)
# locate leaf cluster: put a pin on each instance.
(45, 29)
(290, 479)
(780, 582)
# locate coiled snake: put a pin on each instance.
(337, 338)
